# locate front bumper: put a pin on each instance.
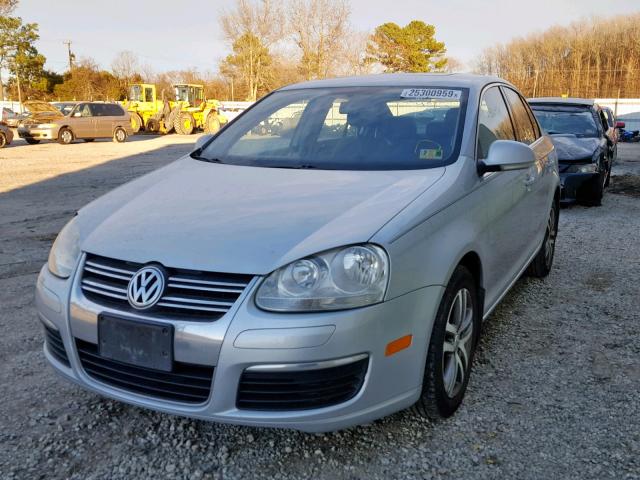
(575, 186)
(247, 337)
(36, 133)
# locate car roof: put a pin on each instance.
(562, 101)
(402, 80)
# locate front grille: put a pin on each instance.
(53, 340)
(189, 294)
(300, 390)
(187, 382)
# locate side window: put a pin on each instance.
(148, 94)
(113, 110)
(522, 122)
(97, 110)
(335, 123)
(494, 122)
(84, 110)
(603, 120)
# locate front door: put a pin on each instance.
(82, 122)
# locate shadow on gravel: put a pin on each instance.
(625, 185)
(31, 216)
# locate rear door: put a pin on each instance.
(533, 191)
(101, 122)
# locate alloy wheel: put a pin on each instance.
(66, 136)
(550, 242)
(458, 343)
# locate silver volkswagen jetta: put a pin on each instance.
(325, 260)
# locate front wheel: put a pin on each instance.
(136, 122)
(119, 135)
(451, 349)
(65, 137)
(543, 261)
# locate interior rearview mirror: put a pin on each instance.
(507, 155)
(202, 140)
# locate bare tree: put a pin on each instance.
(590, 58)
(126, 66)
(251, 29)
(319, 28)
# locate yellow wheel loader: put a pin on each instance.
(192, 111)
(146, 110)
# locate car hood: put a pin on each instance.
(203, 216)
(572, 148)
(38, 106)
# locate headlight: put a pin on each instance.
(588, 168)
(65, 250)
(347, 277)
(47, 125)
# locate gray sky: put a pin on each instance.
(184, 34)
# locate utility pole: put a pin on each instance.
(71, 55)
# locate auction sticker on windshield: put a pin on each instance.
(446, 93)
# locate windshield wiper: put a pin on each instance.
(295, 167)
(195, 156)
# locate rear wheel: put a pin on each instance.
(3, 140)
(65, 136)
(136, 122)
(153, 125)
(32, 141)
(119, 135)
(212, 125)
(451, 348)
(184, 123)
(543, 261)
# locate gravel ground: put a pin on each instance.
(554, 393)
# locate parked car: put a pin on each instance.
(6, 135)
(10, 118)
(584, 143)
(317, 280)
(87, 121)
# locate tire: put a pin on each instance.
(88, 140)
(440, 398)
(184, 123)
(32, 141)
(3, 140)
(119, 135)
(153, 125)
(136, 122)
(65, 136)
(541, 264)
(596, 193)
(212, 124)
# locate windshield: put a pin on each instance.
(358, 128)
(135, 93)
(566, 120)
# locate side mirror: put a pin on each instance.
(202, 140)
(507, 155)
(77, 114)
(620, 124)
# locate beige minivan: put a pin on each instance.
(87, 121)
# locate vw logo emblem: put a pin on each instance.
(146, 287)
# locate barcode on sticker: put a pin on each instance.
(445, 93)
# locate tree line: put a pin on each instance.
(277, 42)
(597, 58)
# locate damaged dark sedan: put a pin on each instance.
(584, 144)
